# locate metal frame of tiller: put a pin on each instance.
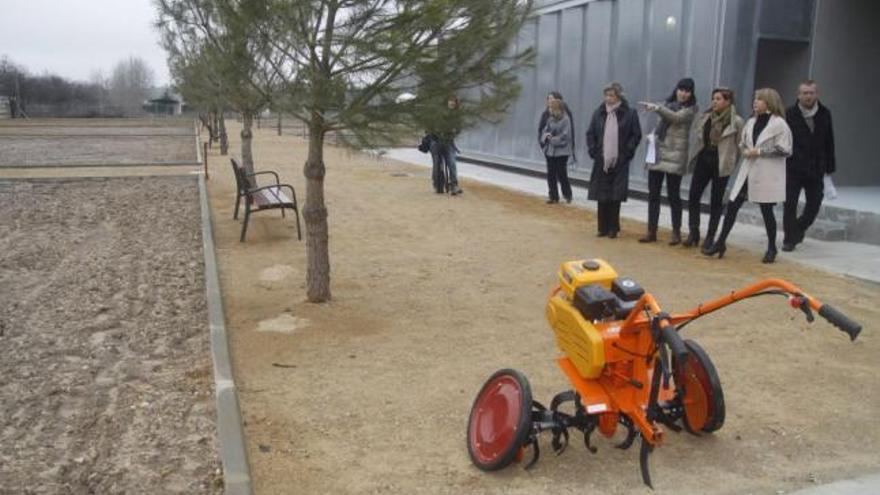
(647, 376)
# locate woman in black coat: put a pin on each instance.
(609, 180)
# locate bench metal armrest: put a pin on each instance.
(277, 181)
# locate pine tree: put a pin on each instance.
(341, 66)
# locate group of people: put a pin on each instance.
(782, 152)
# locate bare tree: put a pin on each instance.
(130, 84)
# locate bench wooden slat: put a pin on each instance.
(270, 197)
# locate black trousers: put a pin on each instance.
(793, 225)
(557, 170)
(673, 193)
(766, 213)
(609, 217)
(706, 172)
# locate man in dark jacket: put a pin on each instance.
(811, 159)
(612, 148)
(555, 95)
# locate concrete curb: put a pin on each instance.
(233, 454)
(108, 165)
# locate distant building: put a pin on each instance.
(165, 103)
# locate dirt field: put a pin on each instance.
(371, 392)
(105, 369)
(101, 142)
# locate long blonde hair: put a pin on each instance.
(774, 102)
(556, 109)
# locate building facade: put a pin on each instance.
(648, 45)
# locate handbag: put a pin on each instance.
(425, 144)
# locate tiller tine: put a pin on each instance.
(631, 432)
(560, 440)
(536, 453)
(560, 433)
(644, 452)
(588, 432)
(562, 397)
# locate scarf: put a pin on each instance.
(664, 124)
(609, 140)
(720, 120)
(809, 113)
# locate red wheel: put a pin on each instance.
(500, 420)
(703, 398)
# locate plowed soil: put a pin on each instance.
(105, 368)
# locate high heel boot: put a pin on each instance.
(719, 246)
(692, 240)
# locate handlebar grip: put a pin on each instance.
(840, 321)
(670, 336)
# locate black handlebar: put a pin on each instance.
(840, 321)
(676, 345)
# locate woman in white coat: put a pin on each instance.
(766, 142)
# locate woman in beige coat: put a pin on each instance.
(676, 115)
(712, 157)
(766, 143)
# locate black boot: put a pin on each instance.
(719, 246)
(770, 255)
(675, 240)
(692, 240)
(651, 236)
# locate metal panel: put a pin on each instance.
(597, 62)
(786, 19)
(524, 132)
(629, 56)
(646, 45)
(704, 27)
(666, 64)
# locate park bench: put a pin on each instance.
(259, 198)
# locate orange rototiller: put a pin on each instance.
(627, 364)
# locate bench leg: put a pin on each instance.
(237, 202)
(299, 236)
(282, 212)
(247, 216)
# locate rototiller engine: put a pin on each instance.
(627, 364)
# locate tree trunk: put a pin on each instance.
(224, 140)
(247, 135)
(216, 117)
(315, 216)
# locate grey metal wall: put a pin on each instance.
(847, 48)
(648, 45)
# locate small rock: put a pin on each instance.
(265, 448)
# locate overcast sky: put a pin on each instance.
(73, 38)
